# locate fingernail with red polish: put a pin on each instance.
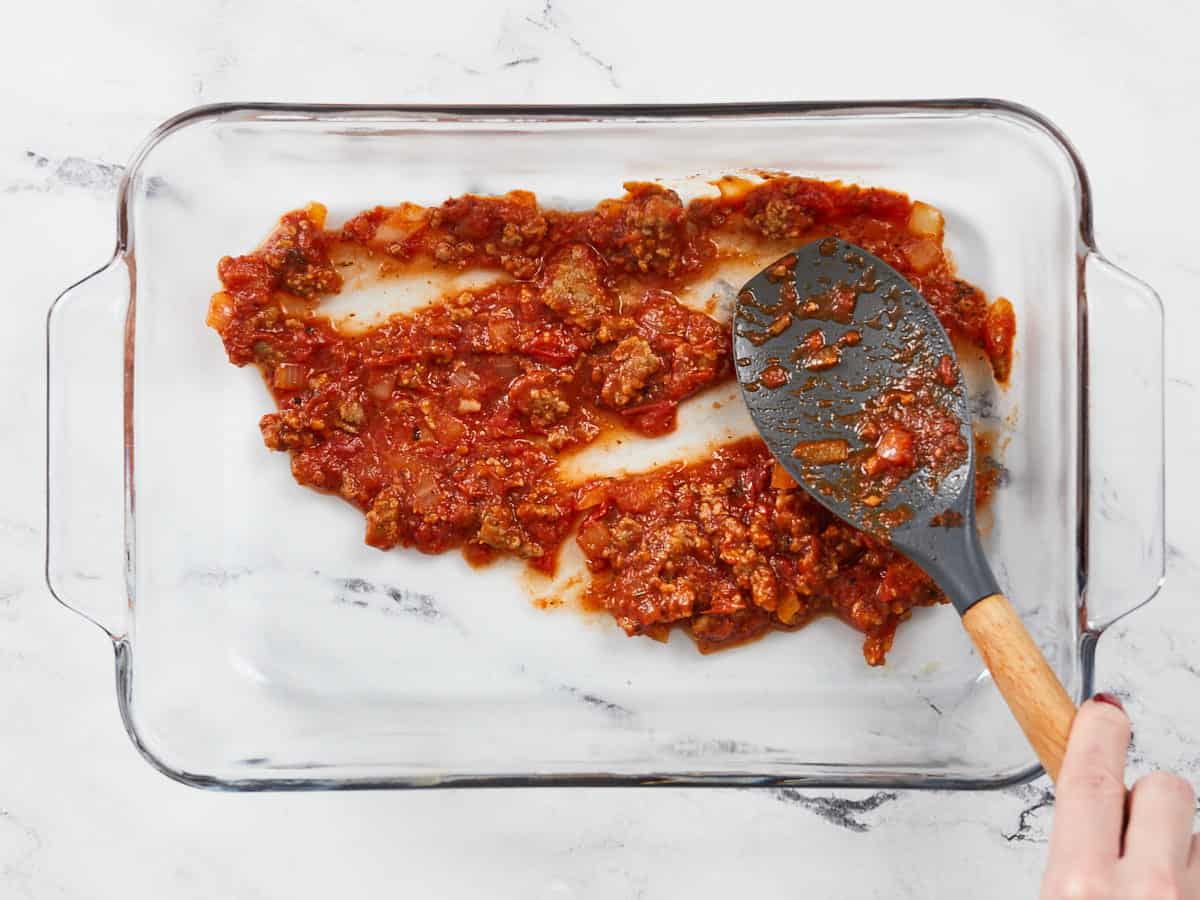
(1111, 699)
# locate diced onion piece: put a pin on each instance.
(501, 334)
(296, 307)
(317, 212)
(381, 386)
(774, 376)
(449, 430)
(779, 325)
(220, 310)
(462, 377)
(821, 453)
(926, 221)
(825, 358)
(896, 447)
(426, 493)
(594, 537)
(400, 224)
(923, 255)
(637, 495)
(812, 341)
(850, 339)
(873, 466)
(593, 496)
(781, 480)
(290, 376)
(1000, 329)
(789, 605)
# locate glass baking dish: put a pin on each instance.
(261, 645)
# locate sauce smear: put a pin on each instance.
(446, 426)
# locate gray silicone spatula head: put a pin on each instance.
(856, 389)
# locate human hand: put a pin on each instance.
(1110, 845)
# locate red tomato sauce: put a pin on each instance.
(446, 425)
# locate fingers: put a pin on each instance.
(1191, 874)
(1160, 856)
(1161, 809)
(1090, 801)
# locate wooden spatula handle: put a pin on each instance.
(1028, 684)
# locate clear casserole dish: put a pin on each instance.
(252, 655)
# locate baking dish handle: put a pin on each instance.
(1125, 428)
(85, 535)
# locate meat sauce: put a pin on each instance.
(733, 549)
(446, 426)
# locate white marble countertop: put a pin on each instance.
(82, 816)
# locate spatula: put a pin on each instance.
(857, 391)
